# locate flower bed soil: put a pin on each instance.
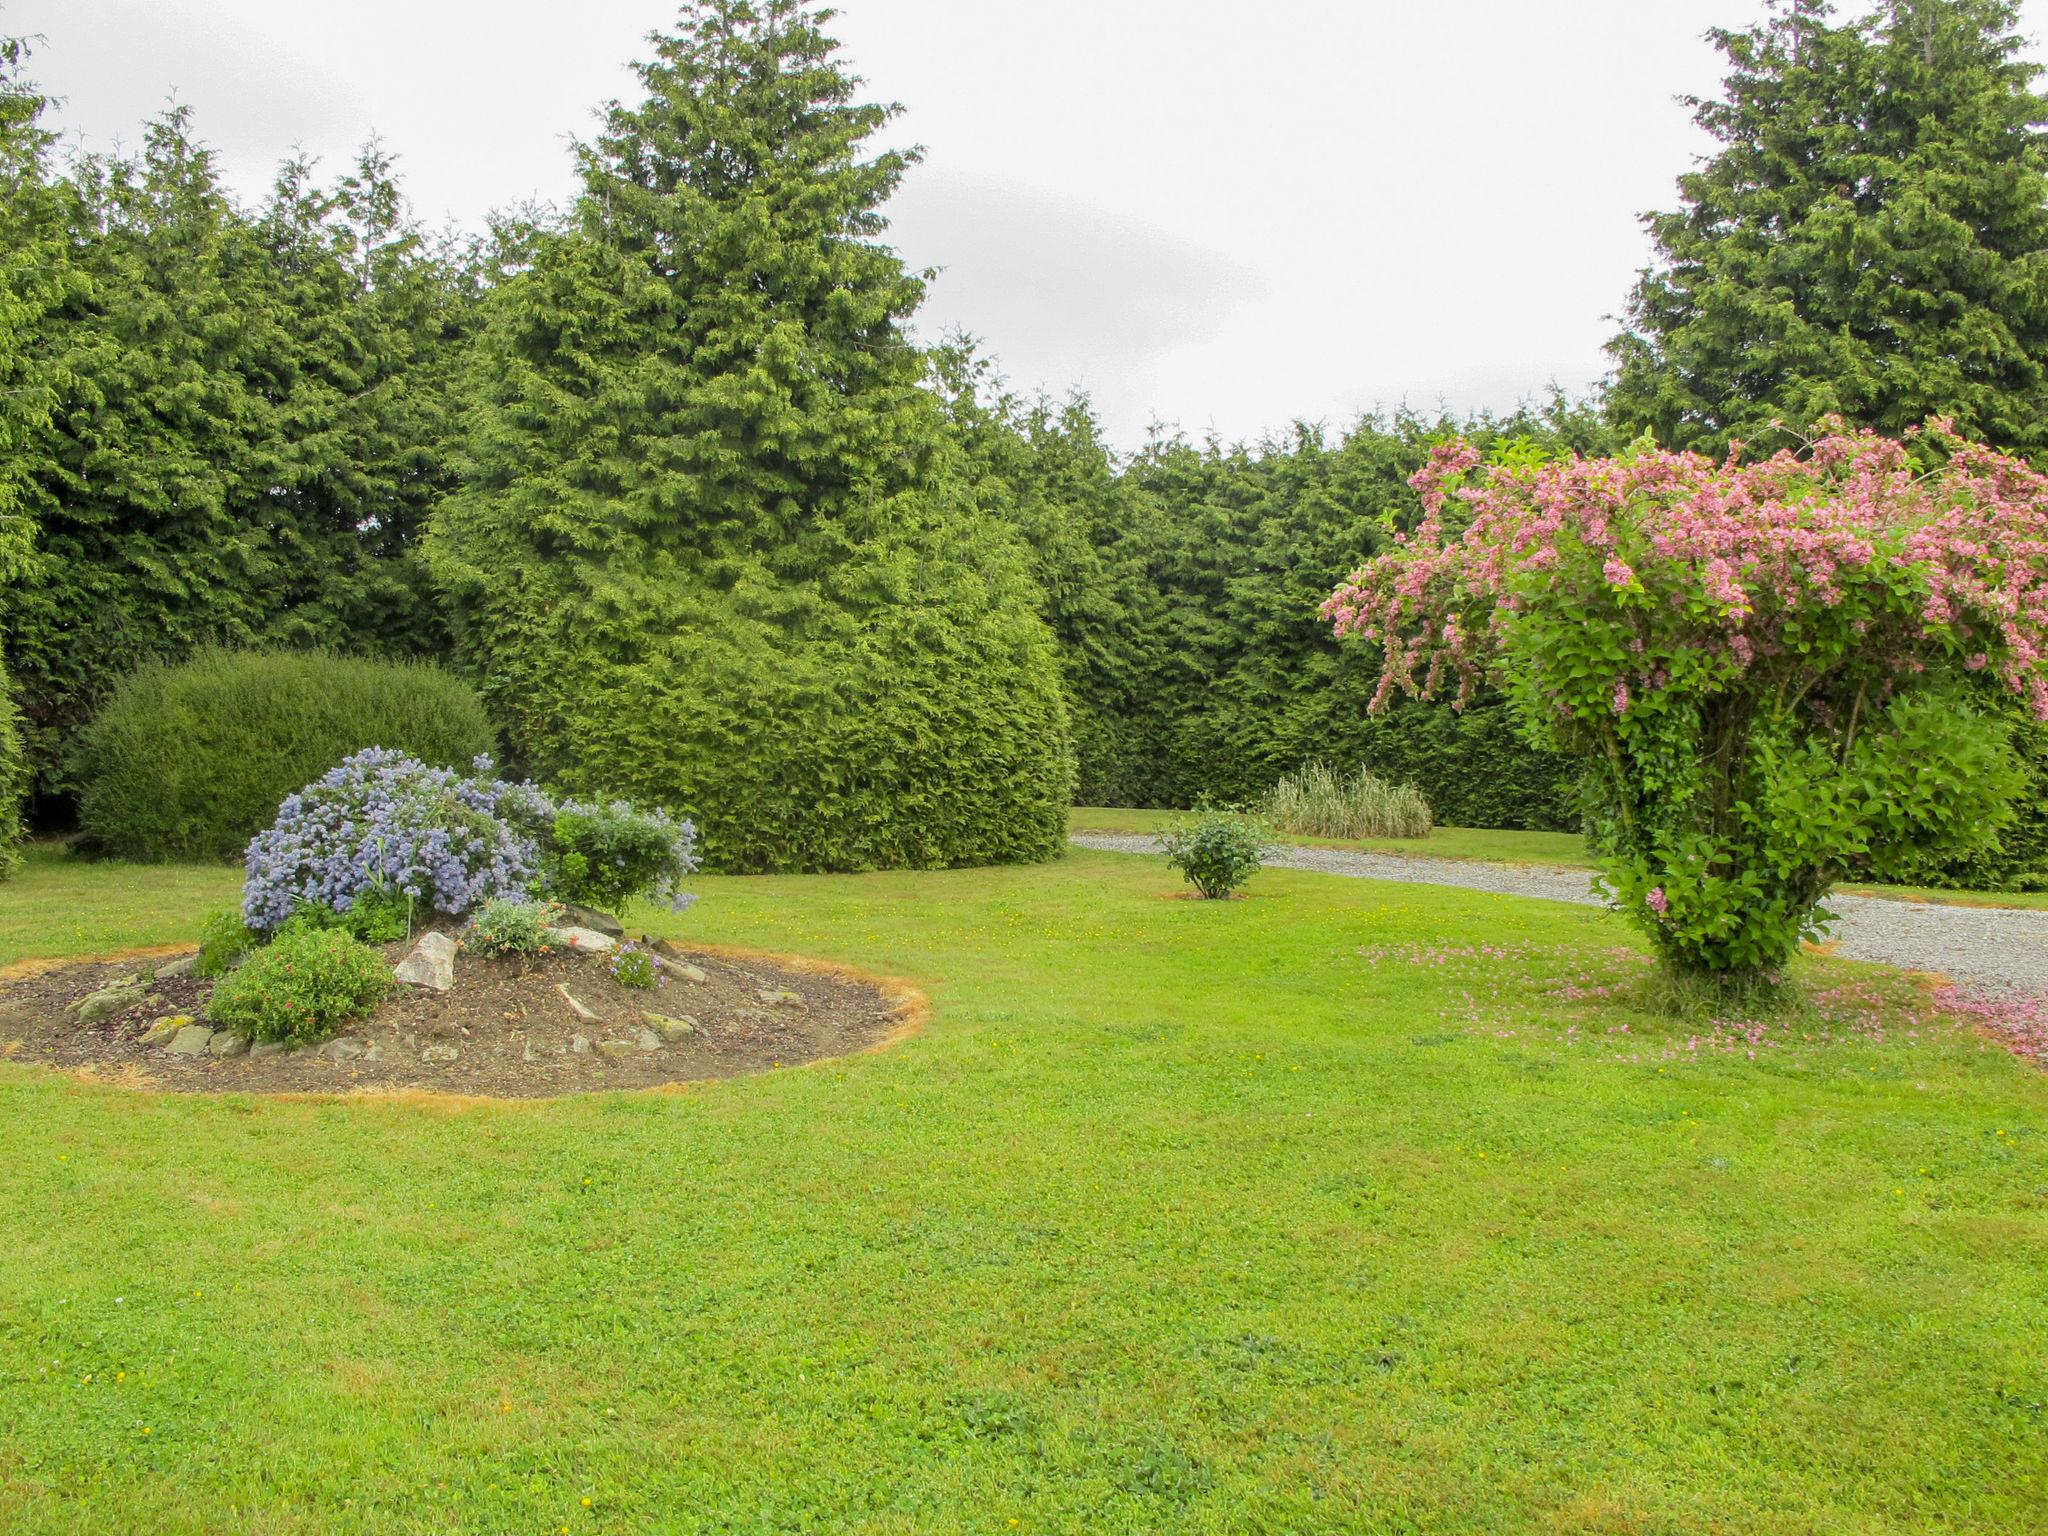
(505, 1030)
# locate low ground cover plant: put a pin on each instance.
(301, 987)
(508, 927)
(1317, 801)
(1766, 667)
(634, 967)
(1218, 848)
(223, 939)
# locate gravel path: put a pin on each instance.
(2003, 948)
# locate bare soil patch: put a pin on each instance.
(506, 1030)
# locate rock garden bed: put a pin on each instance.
(510, 1027)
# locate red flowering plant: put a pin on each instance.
(1767, 668)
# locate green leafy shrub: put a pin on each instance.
(382, 914)
(1318, 802)
(191, 761)
(634, 967)
(604, 855)
(504, 927)
(223, 939)
(1216, 849)
(2019, 860)
(1766, 668)
(300, 988)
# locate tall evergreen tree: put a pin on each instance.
(36, 274)
(716, 548)
(1871, 239)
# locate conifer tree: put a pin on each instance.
(35, 274)
(716, 548)
(1871, 239)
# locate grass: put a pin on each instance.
(1346, 1208)
(1566, 849)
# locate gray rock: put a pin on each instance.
(431, 963)
(615, 1048)
(440, 1053)
(227, 1043)
(671, 1029)
(342, 1049)
(192, 1040)
(776, 997)
(683, 969)
(575, 1007)
(648, 1040)
(171, 970)
(590, 917)
(580, 1044)
(587, 939)
(165, 1028)
(264, 1049)
(110, 999)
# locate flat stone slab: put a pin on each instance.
(430, 965)
(585, 938)
(581, 1012)
(192, 1040)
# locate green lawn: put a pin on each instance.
(1499, 847)
(1294, 1214)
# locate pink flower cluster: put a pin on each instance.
(1724, 560)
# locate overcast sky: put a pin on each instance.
(1220, 215)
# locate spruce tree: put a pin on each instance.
(1871, 239)
(716, 548)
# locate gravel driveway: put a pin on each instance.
(1999, 947)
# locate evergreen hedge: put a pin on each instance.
(191, 761)
(14, 777)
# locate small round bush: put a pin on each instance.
(300, 988)
(1217, 849)
(507, 927)
(190, 761)
(634, 967)
(604, 855)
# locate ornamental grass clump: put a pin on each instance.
(300, 988)
(1319, 802)
(1766, 667)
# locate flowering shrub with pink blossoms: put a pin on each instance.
(1765, 666)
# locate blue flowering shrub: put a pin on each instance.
(384, 827)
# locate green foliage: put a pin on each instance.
(1319, 802)
(717, 552)
(634, 967)
(608, 854)
(504, 927)
(1217, 849)
(378, 915)
(1867, 242)
(301, 987)
(248, 417)
(223, 939)
(190, 761)
(2018, 860)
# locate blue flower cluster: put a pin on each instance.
(383, 820)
